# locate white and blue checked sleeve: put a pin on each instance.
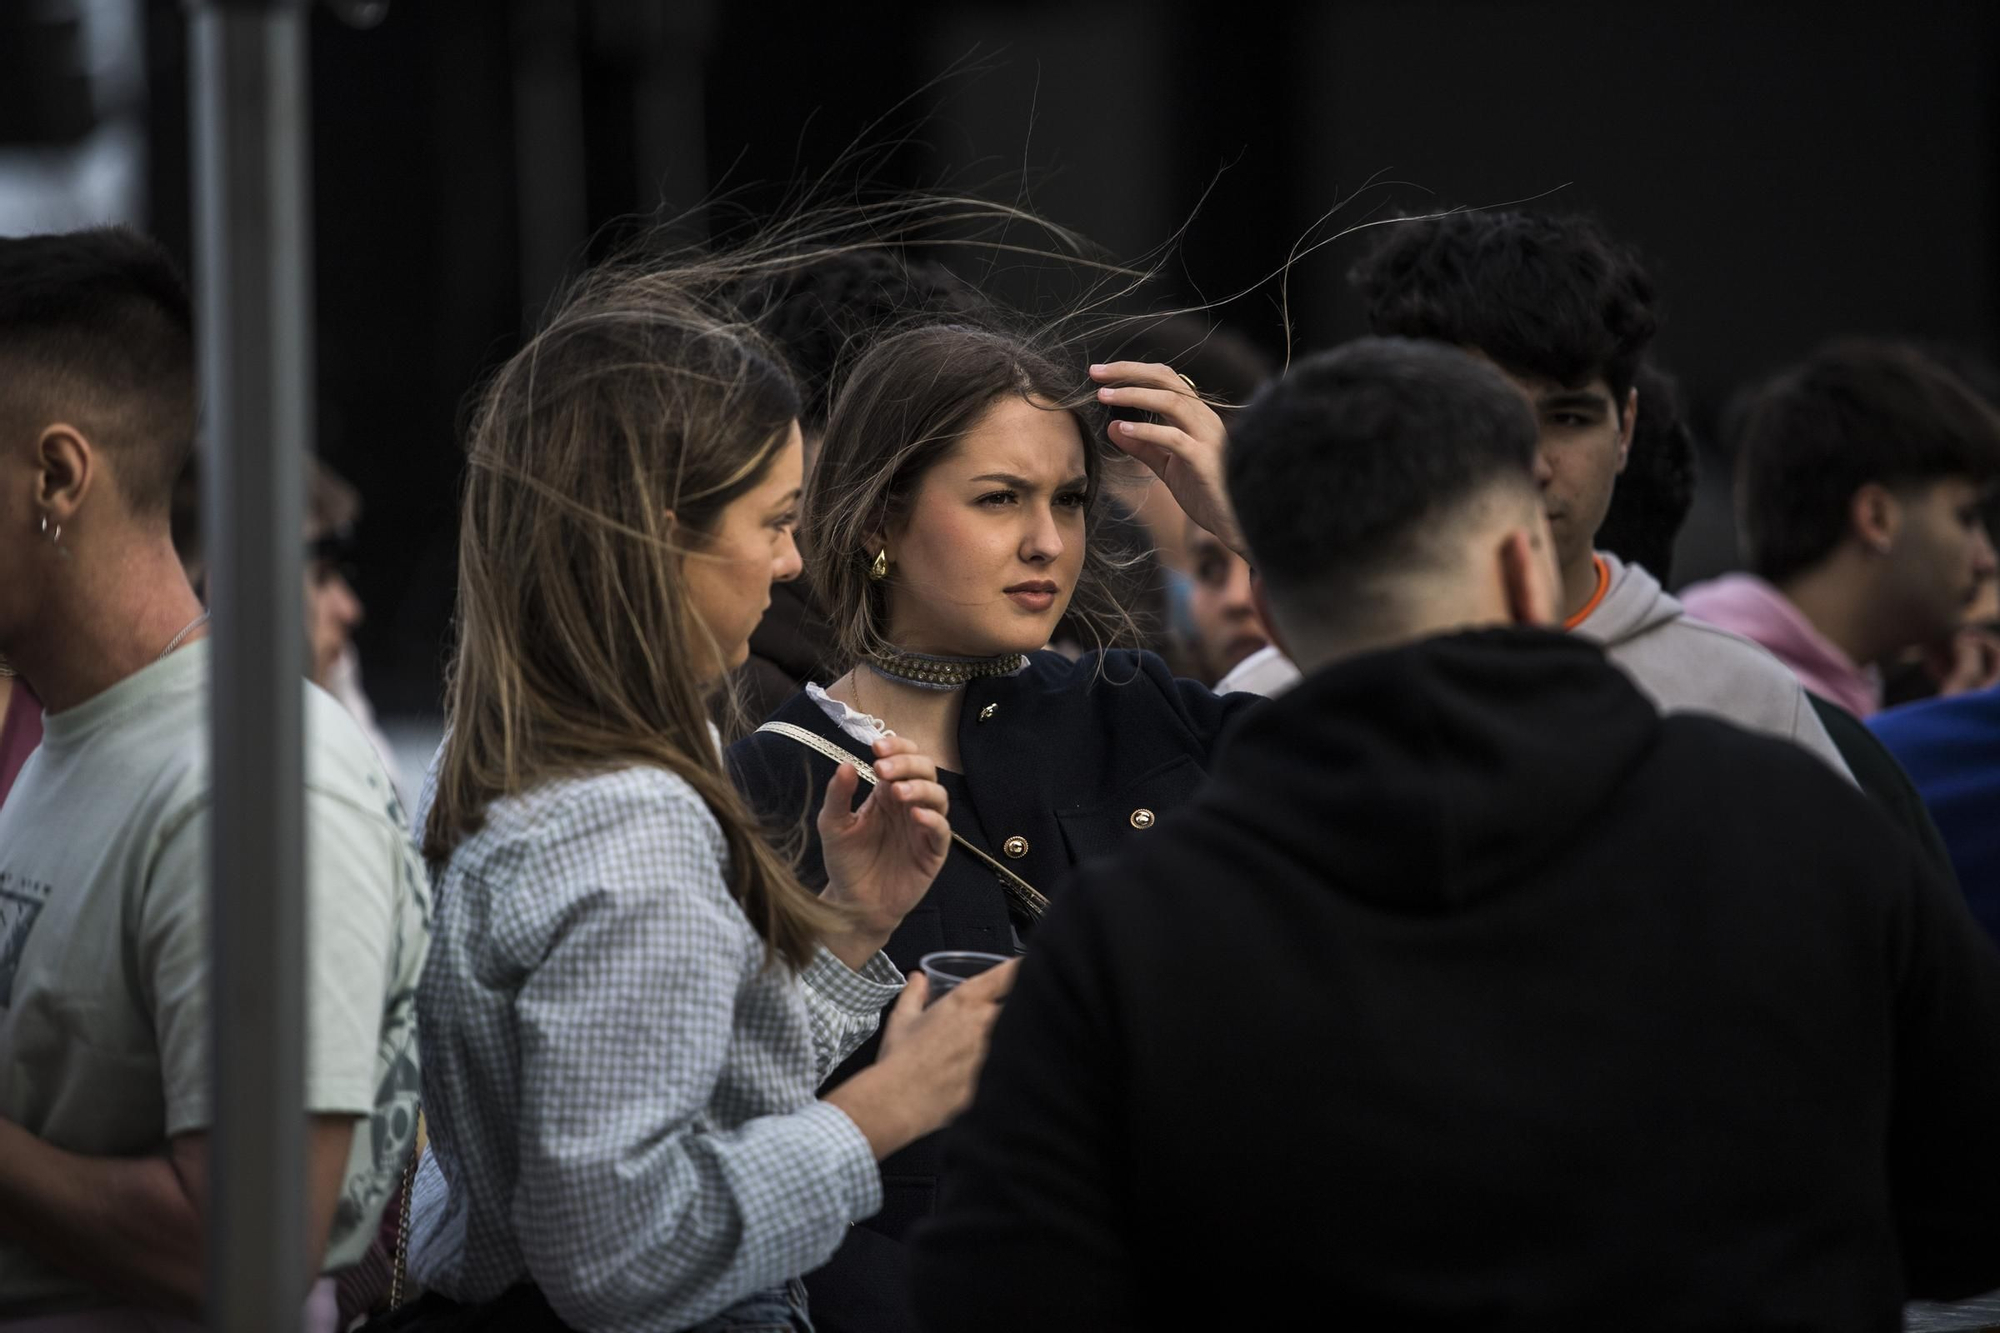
(845, 1006)
(631, 1208)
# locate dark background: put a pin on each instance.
(1793, 171)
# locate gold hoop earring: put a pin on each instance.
(880, 569)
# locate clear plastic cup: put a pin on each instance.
(947, 970)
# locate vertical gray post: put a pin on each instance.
(253, 261)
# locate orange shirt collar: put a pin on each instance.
(1603, 586)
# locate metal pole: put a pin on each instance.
(250, 110)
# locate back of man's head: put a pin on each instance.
(97, 333)
(1857, 412)
(1360, 477)
(1545, 297)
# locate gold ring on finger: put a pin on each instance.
(1190, 383)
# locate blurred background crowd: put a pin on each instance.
(1791, 174)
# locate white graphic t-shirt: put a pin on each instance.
(104, 1020)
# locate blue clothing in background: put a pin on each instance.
(1951, 748)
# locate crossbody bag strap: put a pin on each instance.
(1029, 899)
(399, 1271)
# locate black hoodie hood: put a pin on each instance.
(1424, 777)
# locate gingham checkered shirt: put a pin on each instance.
(620, 1091)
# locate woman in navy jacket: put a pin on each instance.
(946, 521)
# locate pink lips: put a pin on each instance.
(1039, 596)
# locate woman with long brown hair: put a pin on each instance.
(630, 998)
(948, 524)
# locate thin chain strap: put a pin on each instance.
(399, 1273)
(1024, 894)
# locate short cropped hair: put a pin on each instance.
(1656, 490)
(1545, 297)
(1338, 469)
(97, 329)
(1858, 411)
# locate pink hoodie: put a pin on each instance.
(20, 733)
(1745, 604)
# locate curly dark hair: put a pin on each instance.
(1544, 296)
(823, 314)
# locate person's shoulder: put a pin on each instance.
(1721, 754)
(635, 815)
(1713, 641)
(1969, 719)
(640, 794)
(342, 763)
(634, 842)
(1691, 662)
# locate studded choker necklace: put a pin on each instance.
(943, 673)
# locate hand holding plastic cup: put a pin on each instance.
(947, 970)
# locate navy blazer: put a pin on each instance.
(1063, 762)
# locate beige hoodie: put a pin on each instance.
(1684, 665)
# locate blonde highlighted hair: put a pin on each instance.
(601, 457)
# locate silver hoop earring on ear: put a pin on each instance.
(54, 534)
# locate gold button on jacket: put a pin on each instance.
(1016, 847)
(1142, 818)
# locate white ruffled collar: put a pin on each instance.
(861, 726)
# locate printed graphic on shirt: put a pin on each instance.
(21, 902)
(392, 1129)
(391, 1132)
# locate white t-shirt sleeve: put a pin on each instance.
(353, 867)
(171, 944)
(353, 870)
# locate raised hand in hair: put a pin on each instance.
(881, 859)
(1183, 446)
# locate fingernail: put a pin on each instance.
(1106, 394)
(1097, 370)
(1125, 427)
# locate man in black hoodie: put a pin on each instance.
(1474, 992)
